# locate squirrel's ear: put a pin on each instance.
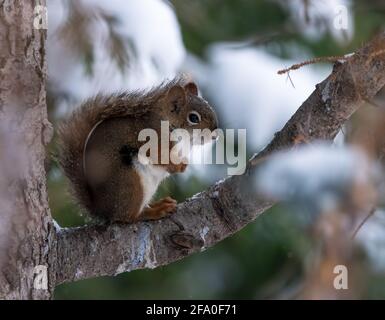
(176, 96)
(192, 88)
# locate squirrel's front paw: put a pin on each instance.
(159, 209)
(177, 168)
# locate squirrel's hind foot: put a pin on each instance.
(159, 209)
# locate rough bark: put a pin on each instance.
(229, 205)
(26, 235)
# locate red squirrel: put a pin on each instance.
(99, 148)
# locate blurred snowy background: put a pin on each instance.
(233, 49)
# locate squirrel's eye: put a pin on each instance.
(194, 117)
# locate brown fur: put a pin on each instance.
(108, 188)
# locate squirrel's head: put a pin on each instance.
(186, 110)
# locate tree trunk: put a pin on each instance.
(26, 229)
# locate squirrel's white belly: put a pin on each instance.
(150, 176)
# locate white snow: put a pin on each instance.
(371, 236)
(150, 24)
(318, 174)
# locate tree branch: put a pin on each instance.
(229, 205)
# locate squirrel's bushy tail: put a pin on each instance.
(73, 133)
